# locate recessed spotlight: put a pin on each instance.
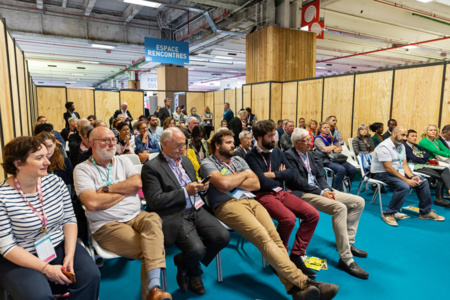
(143, 3)
(78, 74)
(89, 62)
(101, 46)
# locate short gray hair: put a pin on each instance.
(242, 112)
(299, 134)
(70, 120)
(243, 134)
(85, 129)
(82, 122)
(166, 135)
(192, 118)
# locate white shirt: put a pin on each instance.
(387, 151)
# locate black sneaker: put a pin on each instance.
(327, 290)
(297, 260)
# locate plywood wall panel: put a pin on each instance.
(5, 90)
(51, 101)
(445, 116)
(247, 96)
(417, 96)
(135, 101)
(83, 99)
(230, 97)
(275, 101)
(309, 100)
(289, 101)
(261, 101)
(219, 100)
(14, 85)
(2, 173)
(372, 102)
(22, 93)
(209, 100)
(338, 101)
(106, 103)
(27, 91)
(239, 104)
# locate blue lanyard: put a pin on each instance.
(107, 180)
(399, 151)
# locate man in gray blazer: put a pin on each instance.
(172, 191)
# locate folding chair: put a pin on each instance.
(329, 176)
(134, 158)
(367, 180)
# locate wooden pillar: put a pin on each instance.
(171, 79)
(280, 54)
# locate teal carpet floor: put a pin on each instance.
(411, 261)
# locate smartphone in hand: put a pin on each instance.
(206, 179)
(69, 275)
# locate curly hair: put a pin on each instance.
(218, 138)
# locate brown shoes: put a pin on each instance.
(158, 294)
(196, 285)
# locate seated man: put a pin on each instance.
(171, 190)
(191, 123)
(389, 165)
(285, 140)
(345, 208)
(231, 175)
(107, 186)
(273, 170)
(145, 143)
(154, 130)
(246, 142)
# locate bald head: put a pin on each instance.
(173, 142)
(99, 133)
(398, 135)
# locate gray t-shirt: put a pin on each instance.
(87, 178)
(211, 164)
(386, 151)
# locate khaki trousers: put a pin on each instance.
(251, 220)
(140, 238)
(346, 211)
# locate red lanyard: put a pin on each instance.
(305, 162)
(269, 167)
(243, 149)
(228, 167)
(180, 173)
(42, 217)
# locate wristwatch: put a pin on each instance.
(105, 189)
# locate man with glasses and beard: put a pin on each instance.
(273, 170)
(389, 165)
(230, 197)
(107, 186)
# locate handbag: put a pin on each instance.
(338, 158)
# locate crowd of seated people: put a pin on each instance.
(255, 171)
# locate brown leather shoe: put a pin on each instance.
(158, 294)
(196, 285)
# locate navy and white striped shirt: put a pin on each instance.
(19, 226)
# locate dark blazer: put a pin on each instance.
(443, 141)
(164, 114)
(239, 151)
(164, 194)
(302, 180)
(74, 147)
(235, 125)
(280, 132)
(67, 116)
(410, 156)
(119, 111)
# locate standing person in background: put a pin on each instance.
(70, 113)
(158, 108)
(378, 129)
(302, 123)
(123, 111)
(178, 116)
(250, 117)
(207, 122)
(194, 114)
(391, 125)
(312, 131)
(335, 133)
(166, 111)
(235, 125)
(228, 114)
(363, 142)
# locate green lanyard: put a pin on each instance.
(400, 155)
(108, 180)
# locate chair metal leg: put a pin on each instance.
(219, 267)
(163, 280)
(379, 196)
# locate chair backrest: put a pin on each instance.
(138, 168)
(365, 161)
(153, 155)
(134, 158)
(350, 144)
(349, 154)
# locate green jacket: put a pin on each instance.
(432, 147)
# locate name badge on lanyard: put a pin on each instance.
(107, 180)
(401, 170)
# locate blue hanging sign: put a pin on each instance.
(166, 51)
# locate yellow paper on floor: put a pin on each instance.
(314, 263)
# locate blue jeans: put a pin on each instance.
(340, 170)
(24, 283)
(401, 190)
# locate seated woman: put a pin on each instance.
(190, 153)
(363, 143)
(312, 131)
(324, 142)
(419, 157)
(36, 216)
(178, 116)
(198, 143)
(62, 167)
(378, 129)
(145, 143)
(168, 122)
(431, 143)
(125, 141)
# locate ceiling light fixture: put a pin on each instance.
(223, 57)
(143, 3)
(101, 46)
(89, 62)
(425, 1)
(78, 74)
(410, 47)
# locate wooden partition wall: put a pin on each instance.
(18, 105)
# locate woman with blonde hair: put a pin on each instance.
(431, 143)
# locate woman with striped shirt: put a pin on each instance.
(38, 230)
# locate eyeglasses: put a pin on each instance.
(305, 141)
(180, 145)
(107, 141)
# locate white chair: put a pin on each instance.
(138, 168)
(153, 155)
(134, 158)
(350, 157)
(366, 181)
(350, 144)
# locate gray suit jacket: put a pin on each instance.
(164, 194)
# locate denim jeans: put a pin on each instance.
(401, 190)
(340, 171)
